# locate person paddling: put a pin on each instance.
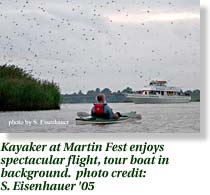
(102, 110)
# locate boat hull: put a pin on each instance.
(160, 100)
(98, 121)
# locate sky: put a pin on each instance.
(91, 44)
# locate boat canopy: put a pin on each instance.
(158, 83)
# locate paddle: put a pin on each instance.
(137, 116)
(85, 114)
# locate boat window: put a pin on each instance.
(152, 92)
(170, 93)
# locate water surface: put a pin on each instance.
(156, 118)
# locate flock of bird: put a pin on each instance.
(36, 36)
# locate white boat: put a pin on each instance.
(157, 92)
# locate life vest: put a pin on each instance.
(99, 109)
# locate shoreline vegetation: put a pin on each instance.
(19, 91)
(112, 97)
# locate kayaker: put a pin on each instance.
(102, 110)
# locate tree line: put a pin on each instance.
(113, 96)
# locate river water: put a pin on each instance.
(156, 118)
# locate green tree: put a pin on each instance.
(98, 90)
(91, 92)
(106, 91)
(127, 90)
(80, 92)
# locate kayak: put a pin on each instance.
(90, 120)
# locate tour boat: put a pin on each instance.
(158, 92)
